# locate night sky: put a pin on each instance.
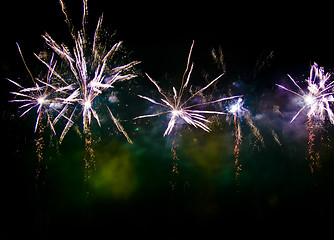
(130, 192)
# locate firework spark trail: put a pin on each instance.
(313, 156)
(175, 170)
(218, 58)
(238, 138)
(39, 151)
(255, 130)
(177, 109)
(237, 109)
(89, 158)
(318, 99)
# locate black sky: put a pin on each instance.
(149, 29)
(159, 34)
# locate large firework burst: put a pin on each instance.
(70, 87)
(85, 72)
(90, 71)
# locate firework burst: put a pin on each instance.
(90, 68)
(176, 108)
(70, 87)
(90, 71)
(317, 98)
(41, 96)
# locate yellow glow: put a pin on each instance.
(115, 174)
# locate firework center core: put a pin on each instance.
(88, 104)
(41, 100)
(176, 113)
(309, 99)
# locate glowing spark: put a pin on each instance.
(309, 99)
(41, 100)
(176, 113)
(88, 105)
(236, 107)
(318, 96)
(177, 109)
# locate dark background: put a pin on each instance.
(277, 192)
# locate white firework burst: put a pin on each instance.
(90, 71)
(177, 109)
(317, 97)
(41, 96)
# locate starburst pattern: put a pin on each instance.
(85, 73)
(69, 89)
(89, 65)
(317, 97)
(178, 109)
(41, 96)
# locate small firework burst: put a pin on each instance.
(41, 96)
